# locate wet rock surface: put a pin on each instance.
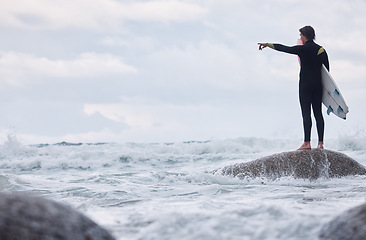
(351, 225)
(26, 217)
(310, 164)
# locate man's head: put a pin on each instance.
(307, 33)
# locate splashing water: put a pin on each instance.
(166, 190)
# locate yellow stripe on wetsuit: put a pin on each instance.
(270, 45)
(321, 50)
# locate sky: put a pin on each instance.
(170, 70)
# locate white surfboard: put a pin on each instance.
(332, 97)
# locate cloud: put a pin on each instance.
(205, 63)
(93, 14)
(143, 115)
(148, 43)
(147, 120)
(135, 115)
(190, 69)
(19, 68)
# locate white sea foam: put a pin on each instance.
(167, 190)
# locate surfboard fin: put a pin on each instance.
(330, 109)
(339, 110)
(335, 93)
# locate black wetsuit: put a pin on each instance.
(312, 56)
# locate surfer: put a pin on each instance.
(311, 56)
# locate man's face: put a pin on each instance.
(303, 38)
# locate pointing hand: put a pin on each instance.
(262, 45)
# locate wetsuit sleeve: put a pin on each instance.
(324, 57)
(283, 48)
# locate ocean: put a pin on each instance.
(168, 191)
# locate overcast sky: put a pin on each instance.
(170, 70)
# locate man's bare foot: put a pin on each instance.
(321, 145)
(305, 145)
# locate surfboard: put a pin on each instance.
(332, 97)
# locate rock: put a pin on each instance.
(310, 164)
(348, 226)
(26, 217)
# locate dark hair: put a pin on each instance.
(308, 32)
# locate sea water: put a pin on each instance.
(168, 191)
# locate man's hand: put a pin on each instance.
(262, 45)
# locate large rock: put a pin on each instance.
(25, 217)
(310, 164)
(350, 225)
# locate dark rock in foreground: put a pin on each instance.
(25, 217)
(350, 225)
(310, 164)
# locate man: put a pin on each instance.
(312, 56)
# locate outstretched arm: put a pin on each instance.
(264, 45)
(281, 48)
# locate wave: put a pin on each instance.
(66, 144)
(84, 156)
(350, 144)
